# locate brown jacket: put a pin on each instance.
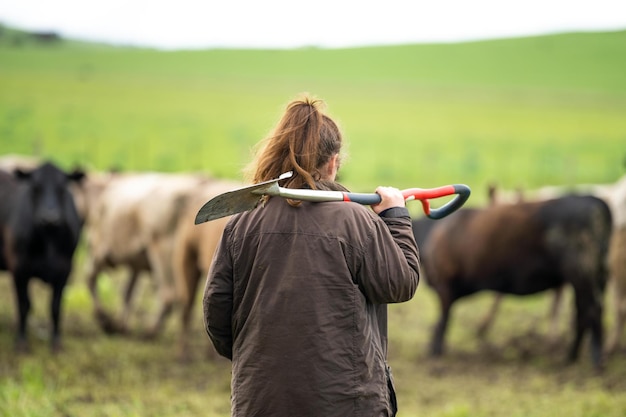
(296, 298)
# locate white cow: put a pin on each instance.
(131, 222)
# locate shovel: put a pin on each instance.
(247, 198)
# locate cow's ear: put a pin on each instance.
(78, 175)
(20, 174)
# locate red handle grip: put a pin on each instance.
(424, 194)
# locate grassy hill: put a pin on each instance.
(521, 112)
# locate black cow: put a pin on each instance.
(40, 231)
(422, 227)
(523, 249)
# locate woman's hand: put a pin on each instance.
(390, 197)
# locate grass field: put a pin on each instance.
(522, 112)
(516, 372)
(519, 112)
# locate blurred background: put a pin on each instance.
(520, 95)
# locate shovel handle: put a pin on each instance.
(423, 194)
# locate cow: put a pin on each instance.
(193, 252)
(514, 197)
(131, 222)
(614, 194)
(422, 226)
(40, 231)
(421, 230)
(524, 249)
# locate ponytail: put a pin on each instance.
(303, 141)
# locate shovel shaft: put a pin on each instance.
(307, 194)
(319, 196)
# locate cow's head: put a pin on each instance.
(49, 193)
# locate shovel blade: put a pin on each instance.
(233, 202)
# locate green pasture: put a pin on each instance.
(519, 112)
(516, 112)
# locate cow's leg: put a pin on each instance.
(105, 320)
(92, 271)
(160, 258)
(597, 337)
(55, 311)
(588, 316)
(617, 266)
(579, 329)
(192, 278)
(128, 299)
(555, 307)
(20, 284)
(167, 305)
(437, 343)
(619, 297)
(488, 320)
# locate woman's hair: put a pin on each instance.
(303, 141)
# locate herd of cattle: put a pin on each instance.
(144, 222)
(141, 221)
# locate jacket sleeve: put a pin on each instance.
(217, 302)
(390, 265)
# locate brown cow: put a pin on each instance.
(193, 252)
(615, 196)
(523, 249)
(495, 197)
